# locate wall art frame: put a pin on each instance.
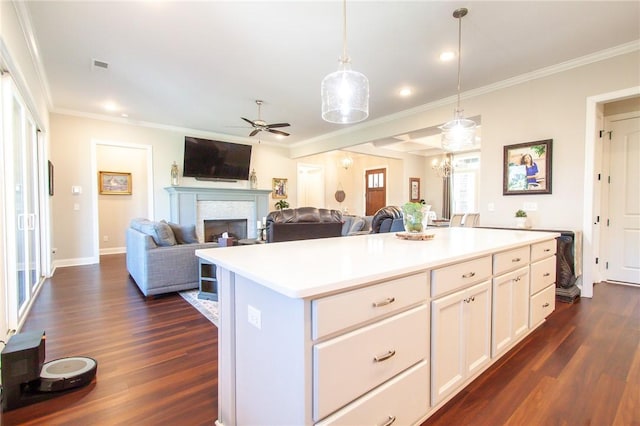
(279, 188)
(114, 183)
(414, 190)
(527, 168)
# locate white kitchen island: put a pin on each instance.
(371, 329)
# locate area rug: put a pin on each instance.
(208, 308)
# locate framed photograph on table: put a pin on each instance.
(114, 183)
(279, 187)
(527, 168)
(414, 190)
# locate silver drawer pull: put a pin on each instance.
(385, 302)
(517, 259)
(546, 274)
(386, 356)
(469, 275)
(390, 421)
(546, 305)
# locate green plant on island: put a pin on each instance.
(282, 204)
(521, 213)
(412, 217)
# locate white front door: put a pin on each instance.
(624, 202)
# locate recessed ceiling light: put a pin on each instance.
(447, 56)
(125, 115)
(110, 106)
(405, 91)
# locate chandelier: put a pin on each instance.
(460, 132)
(442, 168)
(345, 93)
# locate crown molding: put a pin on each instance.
(166, 127)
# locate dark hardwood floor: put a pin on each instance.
(157, 360)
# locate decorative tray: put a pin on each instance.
(415, 236)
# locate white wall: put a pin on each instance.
(116, 211)
(71, 139)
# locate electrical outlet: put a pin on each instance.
(76, 206)
(254, 317)
(530, 207)
(491, 207)
(105, 238)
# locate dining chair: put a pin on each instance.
(471, 220)
(456, 219)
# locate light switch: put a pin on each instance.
(76, 190)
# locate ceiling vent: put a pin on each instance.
(100, 64)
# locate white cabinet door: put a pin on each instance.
(460, 338)
(510, 309)
(478, 327)
(447, 345)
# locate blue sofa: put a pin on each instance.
(161, 256)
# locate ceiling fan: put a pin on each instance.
(260, 125)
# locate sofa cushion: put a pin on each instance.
(160, 231)
(185, 234)
(352, 224)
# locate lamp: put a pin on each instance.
(346, 162)
(459, 132)
(443, 168)
(345, 93)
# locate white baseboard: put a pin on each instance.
(74, 262)
(113, 250)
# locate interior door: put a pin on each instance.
(310, 186)
(376, 190)
(624, 202)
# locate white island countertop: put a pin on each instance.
(311, 268)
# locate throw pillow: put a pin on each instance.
(163, 234)
(185, 234)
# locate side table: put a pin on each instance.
(208, 282)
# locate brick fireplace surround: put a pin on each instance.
(194, 205)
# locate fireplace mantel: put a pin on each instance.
(183, 200)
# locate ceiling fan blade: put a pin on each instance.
(279, 125)
(255, 132)
(278, 132)
(248, 121)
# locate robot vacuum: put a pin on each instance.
(67, 373)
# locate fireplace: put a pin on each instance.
(236, 228)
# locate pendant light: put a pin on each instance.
(345, 93)
(460, 132)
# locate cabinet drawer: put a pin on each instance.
(404, 398)
(543, 273)
(334, 313)
(510, 260)
(460, 275)
(543, 249)
(346, 367)
(542, 304)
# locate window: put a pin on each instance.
(465, 177)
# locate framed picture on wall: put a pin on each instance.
(114, 183)
(527, 168)
(279, 186)
(414, 189)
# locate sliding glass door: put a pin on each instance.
(22, 183)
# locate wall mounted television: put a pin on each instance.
(206, 159)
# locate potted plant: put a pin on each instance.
(412, 217)
(521, 219)
(282, 204)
